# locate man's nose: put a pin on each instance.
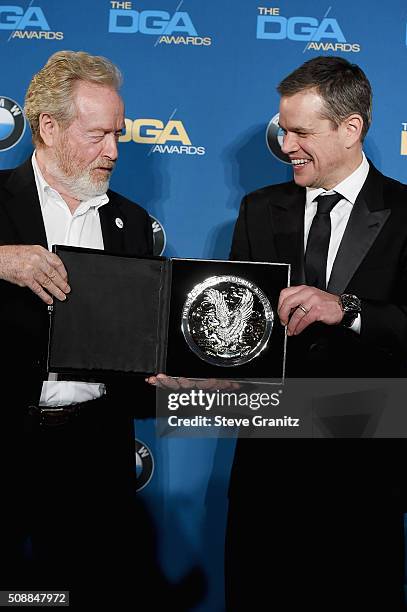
(290, 143)
(110, 147)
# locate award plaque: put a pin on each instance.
(184, 317)
(227, 320)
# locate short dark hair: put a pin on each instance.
(343, 87)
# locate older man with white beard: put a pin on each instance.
(69, 468)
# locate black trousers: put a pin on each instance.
(71, 513)
(70, 518)
(316, 523)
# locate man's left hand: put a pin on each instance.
(300, 306)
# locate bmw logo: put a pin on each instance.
(12, 123)
(274, 139)
(144, 465)
(159, 236)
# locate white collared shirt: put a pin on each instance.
(349, 188)
(82, 228)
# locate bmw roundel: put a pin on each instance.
(12, 123)
(159, 237)
(274, 139)
(144, 465)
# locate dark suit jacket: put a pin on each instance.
(330, 511)
(371, 263)
(23, 316)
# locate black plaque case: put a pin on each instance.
(123, 315)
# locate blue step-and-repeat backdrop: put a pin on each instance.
(200, 82)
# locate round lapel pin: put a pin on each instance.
(119, 222)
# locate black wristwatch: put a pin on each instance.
(351, 307)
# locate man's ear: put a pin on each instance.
(353, 128)
(48, 128)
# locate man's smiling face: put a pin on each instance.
(316, 147)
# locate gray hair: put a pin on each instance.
(51, 90)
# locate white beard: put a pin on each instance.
(75, 180)
(81, 186)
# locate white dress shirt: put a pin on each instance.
(82, 228)
(349, 188)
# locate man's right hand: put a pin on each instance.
(34, 267)
(162, 381)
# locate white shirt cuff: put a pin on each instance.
(356, 324)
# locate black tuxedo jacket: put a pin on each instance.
(371, 263)
(328, 513)
(23, 316)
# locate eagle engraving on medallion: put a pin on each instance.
(227, 320)
(226, 325)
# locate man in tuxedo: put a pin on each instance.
(68, 468)
(321, 522)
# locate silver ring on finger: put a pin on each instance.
(303, 308)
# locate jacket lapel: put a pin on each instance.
(366, 221)
(22, 205)
(112, 222)
(288, 225)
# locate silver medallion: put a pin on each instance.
(227, 320)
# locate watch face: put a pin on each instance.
(351, 307)
(350, 303)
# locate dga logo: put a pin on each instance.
(12, 123)
(159, 237)
(176, 29)
(273, 26)
(27, 23)
(274, 139)
(403, 146)
(144, 465)
(158, 134)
